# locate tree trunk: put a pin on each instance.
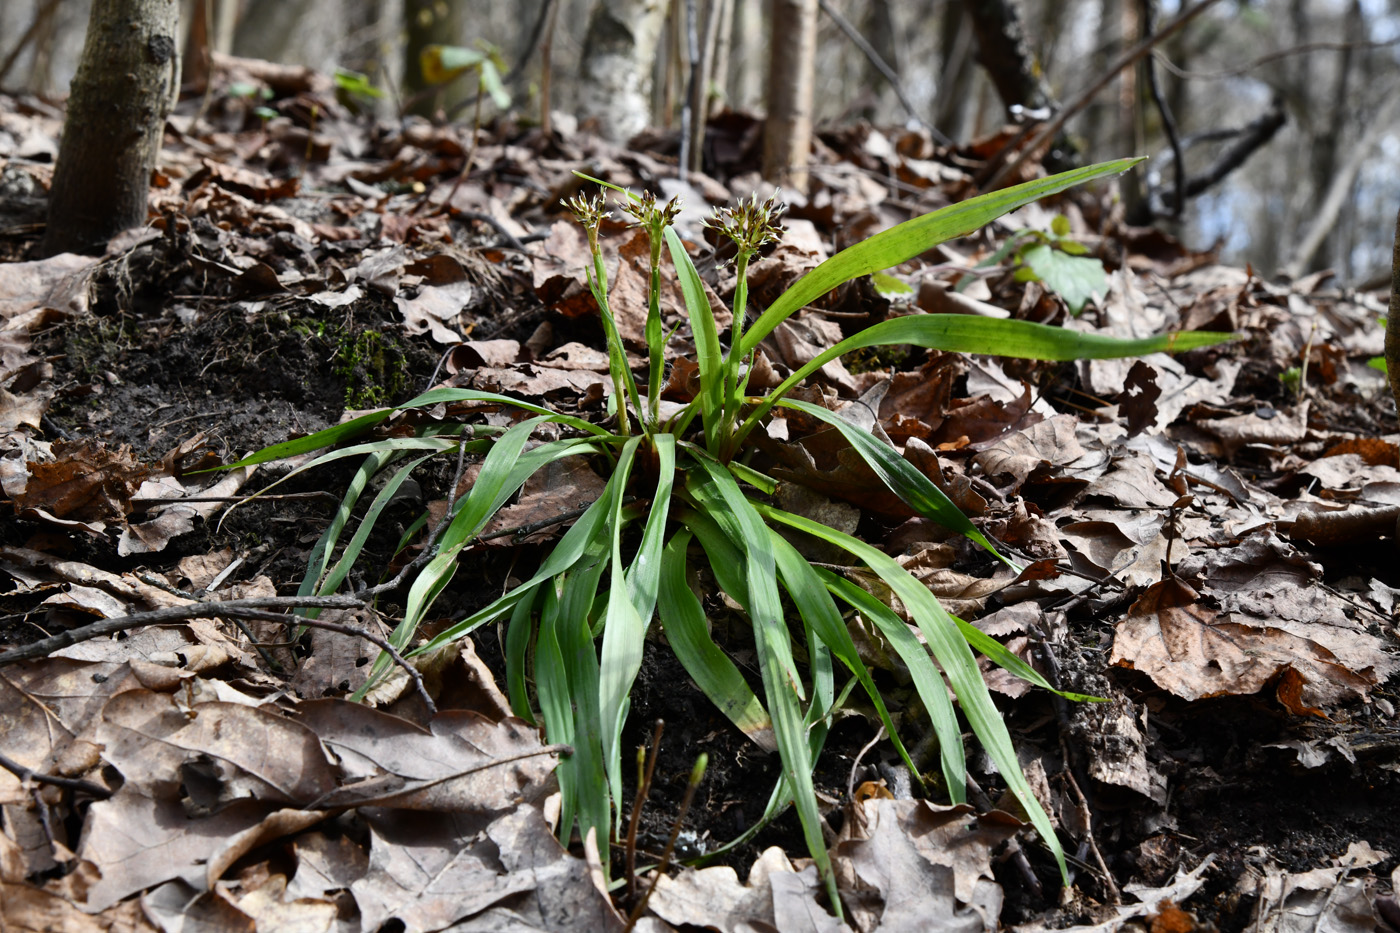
(1392, 323)
(123, 90)
(1007, 55)
(792, 62)
(1131, 101)
(879, 30)
(955, 78)
(1327, 146)
(619, 52)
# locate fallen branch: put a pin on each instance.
(1345, 526)
(209, 610)
(29, 774)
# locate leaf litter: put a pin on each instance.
(1172, 514)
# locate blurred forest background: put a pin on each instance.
(1286, 112)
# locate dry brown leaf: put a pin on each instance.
(24, 908)
(429, 873)
(436, 310)
(906, 866)
(337, 664)
(776, 897)
(452, 766)
(136, 843)
(563, 486)
(25, 286)
(1195, 651)
(217, 752)
(84, 482)
(1041, 448)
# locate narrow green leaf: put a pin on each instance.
(819, 614)
(320, 556)
(725, 502)
(965, 333)
(951, 649)
(624, 633)
(352, 551)
(325, 438)
(503, 472)
(909, 239)
(567, 552)
(726, 560)
(581, 661)
(791, 734)
(899, 475)
(683, 620)
(644, 576)
(710, 357)
(557, 709)
(520, 633)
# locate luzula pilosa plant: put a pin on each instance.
(684, 502)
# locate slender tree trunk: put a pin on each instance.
(719, 80)
(746, 81)
(122, 92)
(1340, 116)
(619, 51)
(1130, 112)
(955, 95)
(878, 29)
(1006, 54)
(1392, 325)
(792, 62)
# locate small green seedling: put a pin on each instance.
(1053, 259)
(682, 499)
(444, 63)
(355, 90)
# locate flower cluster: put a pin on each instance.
(645, 213)
(750, 224)
(590, 214)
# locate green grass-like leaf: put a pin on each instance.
(909, 239)
(950, 647)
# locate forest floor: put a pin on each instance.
(1210, 540)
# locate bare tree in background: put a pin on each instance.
(303, 32)
(615, 74)
(1006, 54)
(792, 61)
(123, 90)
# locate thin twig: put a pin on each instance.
(381, 643)
(1303, 49)
(1115, 897)
(855, 765)
(1014, 850)
(398, 792)
(161, 500)
(29, 774)
(169, 614)
(696, 775)
(1168, 119)
(643, 791)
